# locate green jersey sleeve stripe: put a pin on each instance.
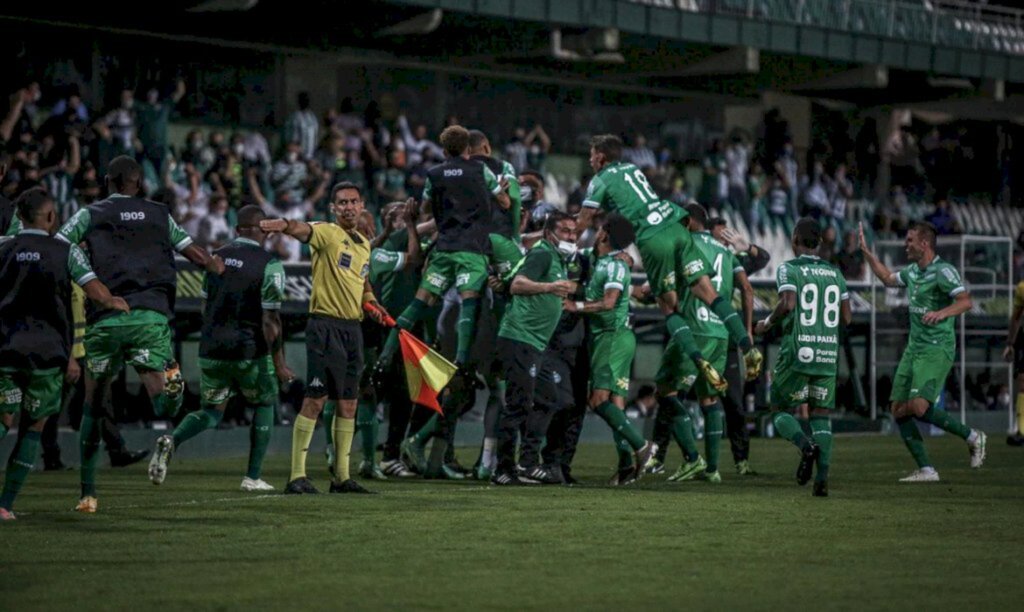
(613, 285)
(400, 264)
(957, 291)
(787, 287)
(590, 204)
(184, 244)
(85, 278)
(845, 295)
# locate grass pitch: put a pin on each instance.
(751, 543)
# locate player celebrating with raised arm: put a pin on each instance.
(613, 345)
(240, 348)
(937, 297)
(334, 339)
(131, 243)
(35, 333)
(813, 300)
(459, 193)
(672, 261)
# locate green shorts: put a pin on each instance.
(611, 361)
(467, 271)
(669, 255)
(505, 254)
(678, 372)
(791, 389)
(37, 391)
(146, 345)
(921, 374)
(220, 380)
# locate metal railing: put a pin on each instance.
(968, 25)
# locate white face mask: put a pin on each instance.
(292, 157)
(567, 249)
(239, 149)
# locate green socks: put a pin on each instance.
(821, 431)
(732, 321)
(196, 423)
(23, 457)
(328, 416)
(259, 439)
(682, 430)
(465, 328)
(714, 426)
(788, 428)
(428, 430)
(617, 420)
(167, 407)
(89, 447)
(915, 443)
(407, 320)
(623, 450)
(366, 423)
(942, 419)
(680, 333)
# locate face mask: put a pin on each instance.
(127, 104)
(526, 193)
(196, 144)
(567, 249)
(239, 150)
(292, 157)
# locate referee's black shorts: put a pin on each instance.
(334, 358)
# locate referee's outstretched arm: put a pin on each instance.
(296, 229)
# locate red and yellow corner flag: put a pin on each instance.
(426, 370)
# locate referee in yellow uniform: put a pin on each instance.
(1014, 353)
(334, 340)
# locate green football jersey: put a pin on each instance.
(623, 188)
(609, 273)
(931, 289)
(532, 319)
(726, 265)
(811, 332)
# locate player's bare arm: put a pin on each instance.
(607, 302)
(881, 272)
(747, 297)
(524, 286)
(961, 304)
(786, 305)
(296, 229)
(100, 294)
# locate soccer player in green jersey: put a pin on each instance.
(461, 194)
(240, 350)
(613, 345)
(813, 301)
(672, 261)
(937, 297)
(677, 375)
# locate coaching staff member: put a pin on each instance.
(334, 340)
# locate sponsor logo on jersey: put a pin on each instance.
(805, 354)
(345, 261)
(12, 397)
(98, 366)
(462, 279)
(316, 382)
(622, 383)
(140, 356)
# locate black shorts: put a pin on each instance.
(334, 358)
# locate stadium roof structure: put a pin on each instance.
(864, 52)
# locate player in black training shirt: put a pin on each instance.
(240, 349)
(131, 243)
(36, 272)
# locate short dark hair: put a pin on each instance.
(534, 173)
(303, 100)
(250, 215)
(345, 185)
(554, 218)
(31, 202)
(807, 233)
(609, 145)
(620, 231)
(477, 139)
(455, 140)
(925, 230)
(164, 195)
(123, 171)
(698, 213)
(714, 222)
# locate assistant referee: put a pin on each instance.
(334, 340)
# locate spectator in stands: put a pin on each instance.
(228, 177)
(214, 230)
(72, 103)
(777, 204)
(814, 192)
(58, 179)
(538, 145)
(302, 127)
(942, 218)
(419, 150)
(827, 248)
(389, 182)
(867, 157)
(757, 190)
(121, 123)
(737, 162)
(715, 186)
(850, 259)
(152, 119)
(640, 155)
(289, 173)
(346, 120)
(788, 170)
(840, 189)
